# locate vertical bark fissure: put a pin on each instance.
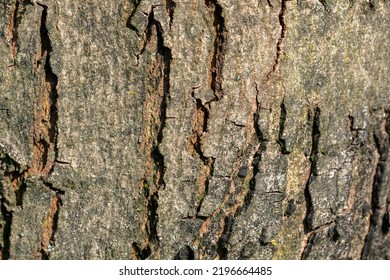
(281, 141)
(45, 110)
(45, 133)
(219, 49)
(261, 142)
(207, 163)
(155, 116)
(203, 110)
(243, 199)
(129, 24)
(227, 228)
(170, 6)
(166, 56)
(307, 222)
(279, 44)
(12, 187)
(6, 226)
(382, 145)
(50, 227)
(324, 4)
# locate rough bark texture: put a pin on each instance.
(194, 129)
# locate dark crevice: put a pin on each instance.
(310, 243)
(170, 8)
(151, 203)
(207, 163)
(166, 55)
(270, 4)
(5, 227)
(185, 253)
(279, 45)
(147, 33)
(257, 157)
(313, 234)
(256, 117)
(52, 188)
(224, 238)
(55, 218)
(281, 141)
(12, 185)
(141, 253)
(252, 183)
(237, 124)
(153, 180)
(354, 132)
(334, 233)
(325, 5)
(202, 110)
(198, 217)
(290, 209)
(20, 194)
(307, 222)
(45, 139)
(386, 222)
(200, 127)
(152, 218)
(129, 24)
(377, 221)
(52, 79)
(371, 5)
(219, 49)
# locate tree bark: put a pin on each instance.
(196, 129)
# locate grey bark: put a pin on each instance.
(196, 129)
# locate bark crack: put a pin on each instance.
(155, 116)
(45, 111)
(219, 49)
(307, 222)
(206, 168)
(282, 123)
(12, 187)
(45, 132)
(279, 44)
(257, 157)
(223, 239)
(310, 237)
(50, 227)
(170, 6)
(378, 199)
(129, 23)
(239, 196)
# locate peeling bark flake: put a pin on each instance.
(49, 230)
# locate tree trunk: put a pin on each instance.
(194, 129)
